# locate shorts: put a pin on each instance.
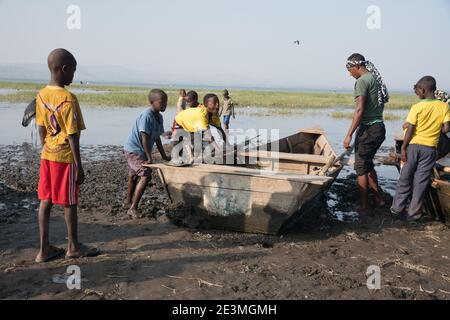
(57, 183)
(367, 142)
(226, 119)
(136, 165)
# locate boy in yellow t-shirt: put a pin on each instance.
(425, 122)
(60, 123)
(200, 118)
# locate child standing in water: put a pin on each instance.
(226, 109)
(181, 103)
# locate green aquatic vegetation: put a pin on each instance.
(128, 96)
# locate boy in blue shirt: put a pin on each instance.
(138, 149)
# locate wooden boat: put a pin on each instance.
(437, 203)
(256, 198)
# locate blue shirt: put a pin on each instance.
(149, 122)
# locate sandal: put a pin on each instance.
(84, 252)
(54, 253)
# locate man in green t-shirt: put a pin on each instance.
(370, 96)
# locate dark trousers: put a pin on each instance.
(414, 179)
(367, 142)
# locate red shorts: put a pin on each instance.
(57, 183)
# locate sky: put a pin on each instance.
(235, 42)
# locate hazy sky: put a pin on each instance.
(237, 42)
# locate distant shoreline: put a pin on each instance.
(201, 86)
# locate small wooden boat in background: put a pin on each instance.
(262, 197)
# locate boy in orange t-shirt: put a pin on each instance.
(60, 123)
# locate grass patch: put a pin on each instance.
(388, 116)
(137, 97)
(18, 97)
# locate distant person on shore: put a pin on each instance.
(370, 95)
(227, 109)
(425, 123)
(146, 131)
(190, 101)
(181, 104)
(60, 122)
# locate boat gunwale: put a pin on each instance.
(257, 173)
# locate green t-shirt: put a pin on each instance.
(367, 86)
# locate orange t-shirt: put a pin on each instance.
(59, 112)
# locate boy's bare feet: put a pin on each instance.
(83, 252)
(51, 254)
(134, 213)
(126, 205)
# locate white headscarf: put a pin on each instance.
(383, 94)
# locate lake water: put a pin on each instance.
(111, 125)
(5, 91)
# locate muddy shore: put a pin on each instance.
(153, 258)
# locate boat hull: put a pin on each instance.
(262, 194)
(440, 199)
(244, 203)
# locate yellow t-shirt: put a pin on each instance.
(59, 112)
(215, 121)
(196, 119)
(428, 117)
